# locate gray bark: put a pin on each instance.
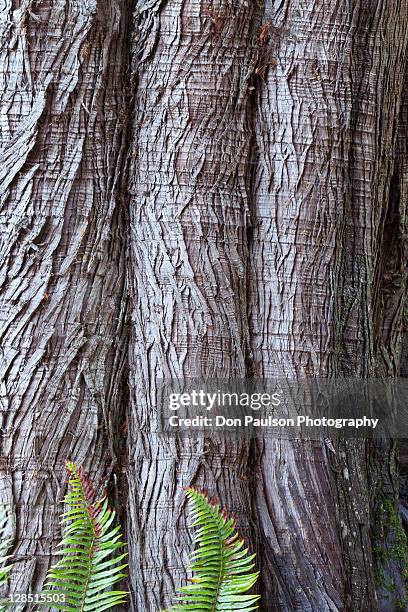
(61, 258)
(260, 160)
(188, 208)
(325, 133)
(389, 481)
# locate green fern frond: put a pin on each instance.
(221, 565)
(5, 567)
(90, 565)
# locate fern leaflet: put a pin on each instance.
(5, 568)
(90, 564)
(221, 565)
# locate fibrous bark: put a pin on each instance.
(61, 258)
(260, 166)
(325, 133)
(188, 206)
(388, 481)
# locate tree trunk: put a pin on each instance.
(61, 258)
(328, 102)
(267, 237)
(189, 209)
(389, 481)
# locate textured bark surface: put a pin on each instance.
(61, 258)
(267, 236)
(389, 478)
(402, 190)
(187, 182)
(325, 135)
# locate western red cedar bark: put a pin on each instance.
(401, 187)
(388, 461)
(61, 258)
(192, 62)
(321, 269)
(327, 105)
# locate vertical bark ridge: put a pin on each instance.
(189, 202)
(61, 258)
(388, 488)
(367, 324)
(324, 132)
(377, 78)
(303, 99)
(391, 276)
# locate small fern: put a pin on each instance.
(221, 566)
(90, 564)
(5, 567)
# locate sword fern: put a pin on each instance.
(221, 565)
(5, 567)
(90, 565)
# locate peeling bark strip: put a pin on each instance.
(187, 180)
(61, 257)
(325, 132)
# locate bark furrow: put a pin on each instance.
(188, 170)
(325, 135)
(61, 258)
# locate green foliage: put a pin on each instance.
(5, 567)
(90, 564)
(221, 566)
(391, 545)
